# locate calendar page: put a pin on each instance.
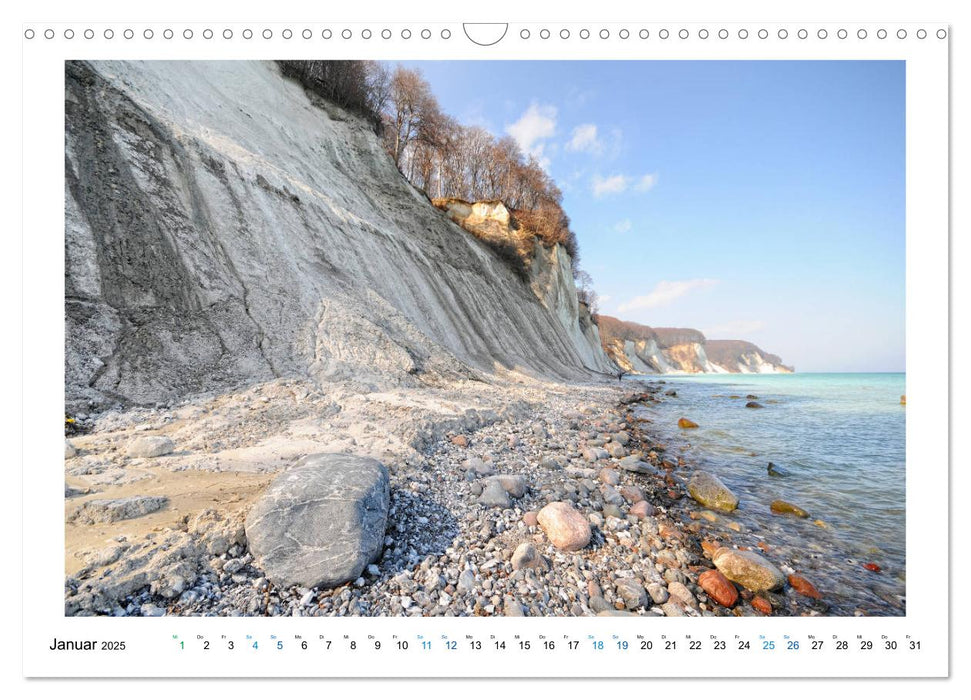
(434, 348)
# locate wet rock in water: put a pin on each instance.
(708, 490)
(903, 400)
(718, 588)
(115, 509)
(685, 424)
(565, 527)
(527, 556)
(670, 392)
(634, 464)
(69, 450)
(632, 593)
(753, 404)
(494, 495)
(320, 523)
(150, 446)
(751, 397)
(748, 569)
(784, 508)
(775, 471)
(762, 605)
(870, 566)
(803, 587)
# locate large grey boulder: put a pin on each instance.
(320, 523)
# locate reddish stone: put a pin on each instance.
(530, 519)
(872, 567)
(764, 547)
(642, 509)
(803, 587)
(684, 423)
(718, 588)
(709, 548)
(668, 532)
(674, 495)
(632, 493)
(762, 605)
(460, 441)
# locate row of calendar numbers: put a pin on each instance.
(422, 643)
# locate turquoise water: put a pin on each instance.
(840, 439)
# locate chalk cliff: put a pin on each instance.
(646, 350)
(221, 229)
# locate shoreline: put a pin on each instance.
(446, 552)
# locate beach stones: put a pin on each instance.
(803, 587)
(784, 508)
(565, 527)
(753, 404)
(708, 490)
(718, 588)
(748, 569)
(149, 446)
(762, 605)
(594, 454)
(527, 557)
(114, 509)
(632, 593)
(686, 424)
(513, 484)
(322, 522)
(494, 495)
(633, 463)
(69, 450)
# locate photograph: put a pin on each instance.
(485, 338)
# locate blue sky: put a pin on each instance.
(754, 200)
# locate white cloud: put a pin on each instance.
(615, 184)
(584, 139)
(605, 298)
(623, 226)
(666, 292)
(531, 130)
(646, 182)
(734, 329)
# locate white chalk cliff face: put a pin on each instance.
(221, 230)
(645, 350)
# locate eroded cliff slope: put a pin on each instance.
(221, 229)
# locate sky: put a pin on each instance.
(760, 200)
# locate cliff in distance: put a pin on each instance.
(646, 350)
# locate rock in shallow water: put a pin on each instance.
(322, 522)
(782, 507)
(718, 588)
(748, 569)
(708, 490)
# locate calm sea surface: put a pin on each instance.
(839, 439)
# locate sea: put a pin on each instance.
(837, 441)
